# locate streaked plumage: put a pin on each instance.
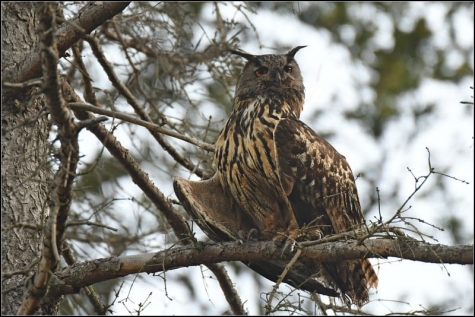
(245, 154)
(279, 177)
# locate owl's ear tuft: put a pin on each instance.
(246, 55)
(290, 54)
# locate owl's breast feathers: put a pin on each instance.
(246, 160)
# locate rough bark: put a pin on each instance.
(25, 168)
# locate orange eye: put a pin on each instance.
(261, 71)
(288, 69)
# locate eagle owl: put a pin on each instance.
(277, 179)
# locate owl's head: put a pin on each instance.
(272, 75)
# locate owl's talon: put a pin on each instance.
(285, 243)
(278, 240)
(290, 243)
(250, 236)
(313, 235)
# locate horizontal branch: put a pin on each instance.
(72, 278)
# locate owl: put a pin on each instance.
(276, 179)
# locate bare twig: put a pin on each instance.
(281, 278)
(89, 223)
(29, 83)
(146, 124)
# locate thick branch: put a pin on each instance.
(92, 15)
(72, 278)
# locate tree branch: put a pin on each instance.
(176, 221)
(71, 279)
(226, 284)
(139, 177)
(96, 301)
(92, 15)
(146, 124)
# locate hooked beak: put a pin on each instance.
(275, 79)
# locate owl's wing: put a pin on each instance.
(214, 212)
(317, 179)
(321, 189)
(209, 207)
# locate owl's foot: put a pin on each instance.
(289, 245)
(311, 231)
(290, 241)
(312, 235)
(279, 240)
(252, 235)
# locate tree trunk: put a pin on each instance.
(25, 166)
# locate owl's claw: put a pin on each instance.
(290, 241)
(251, 235)
(279, 240)
(241, 235)
(313, 235)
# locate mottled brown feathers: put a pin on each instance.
(281, 173)
(222, 220)
(281, 178)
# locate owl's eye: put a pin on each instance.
(288, 69)
(261, 71)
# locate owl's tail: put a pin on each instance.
(353, 278)
(363, 277)
(371, 277)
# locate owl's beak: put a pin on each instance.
(276, 79)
